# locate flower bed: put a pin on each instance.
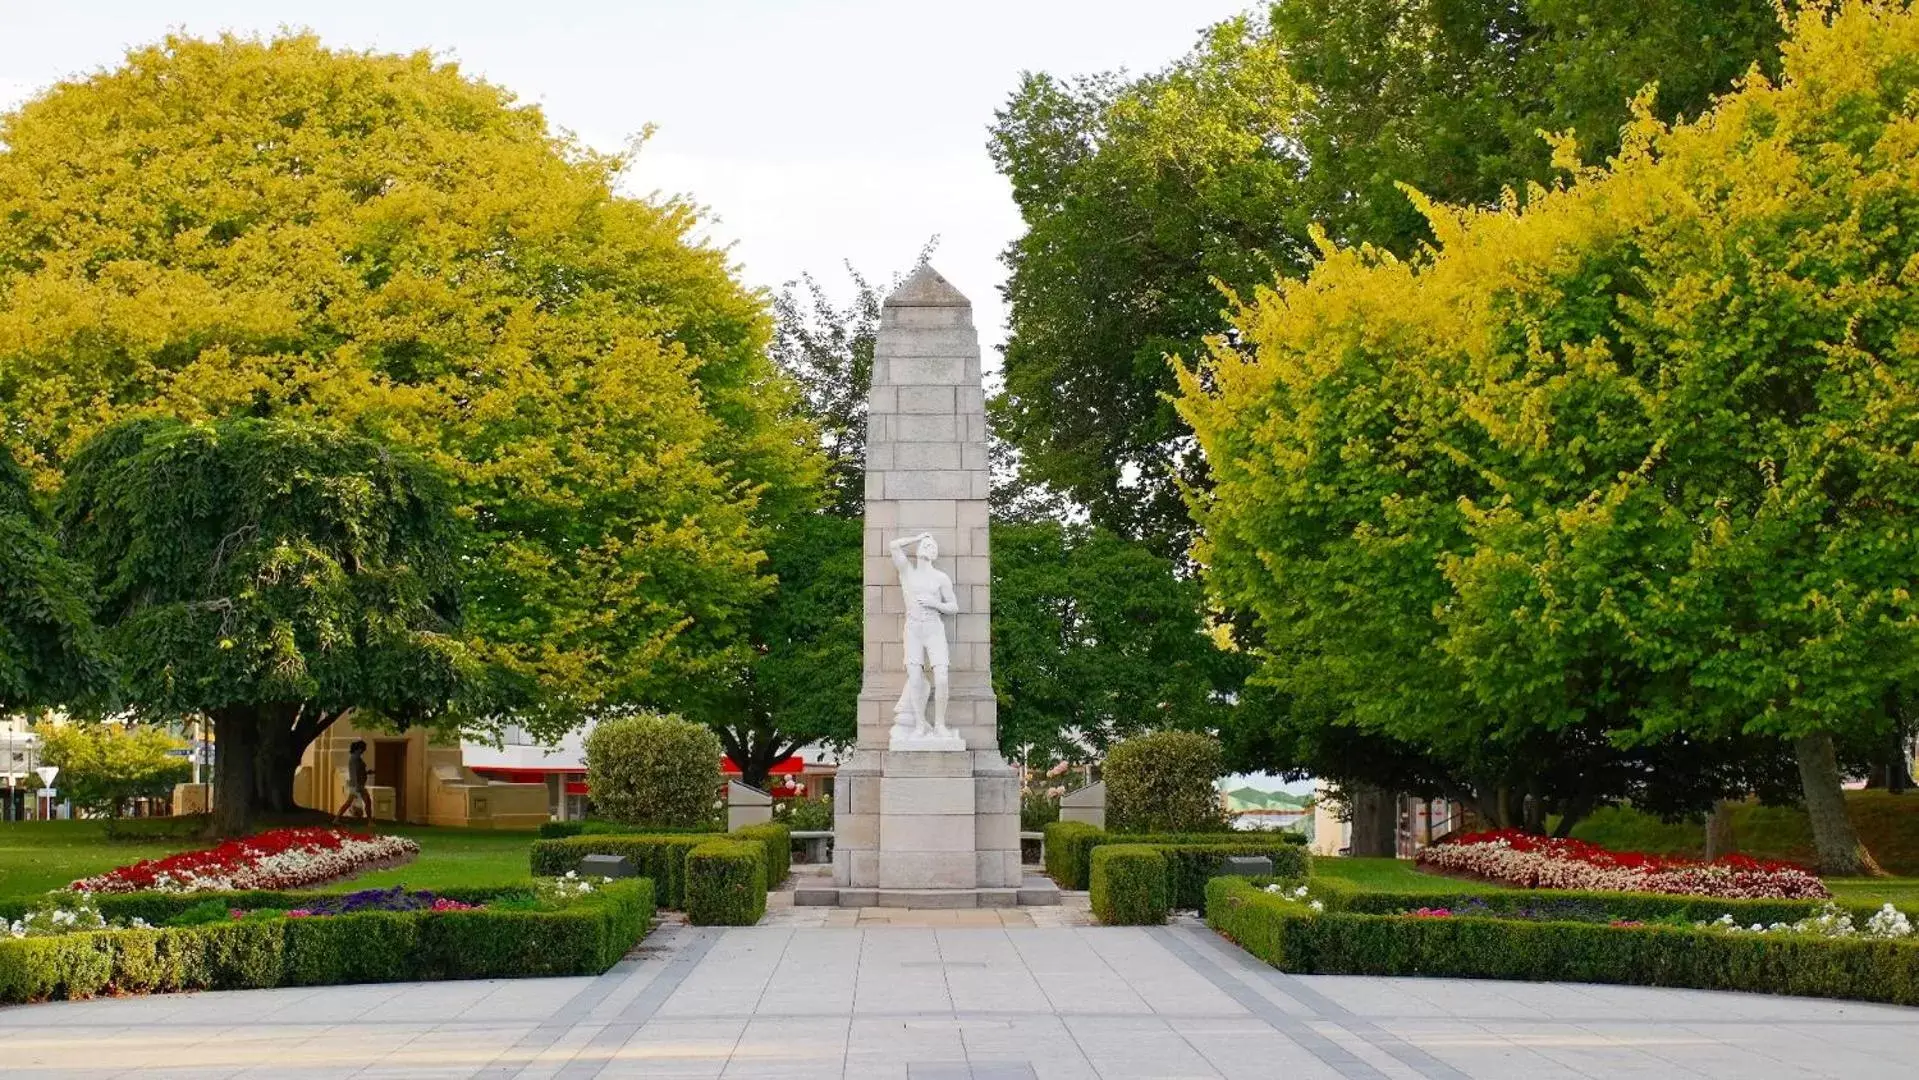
(1822, 955)
(1521, 859)
(277, 859)
(73, 945)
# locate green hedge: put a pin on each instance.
(659, 856)
(1070, 844)
(726, 883)
(778, 841)
(584, 938)
(1291, 938)
(1068, 847)
(1341, 895)
(159, 907)
(1129, 885)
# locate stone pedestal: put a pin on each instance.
(912, 826)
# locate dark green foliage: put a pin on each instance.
(585, 937)
(726, 883)
(777, 840)
(1192, 858)
(1097, 638)
(1069, 844)
(271, 575)
(803, 664)
(50, 653)
(1129, 885)
(1163, 782)
(660, 857)
(1289, 937)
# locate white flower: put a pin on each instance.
(1317, 906)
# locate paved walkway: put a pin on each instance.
(950, 1003)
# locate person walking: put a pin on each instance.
(356, 774)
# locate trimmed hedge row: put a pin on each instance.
(158, 907)
(726, 883)
(777, 839)
(1639, 907)
(1129, 885)
(658, 856)
(1291, 938)
(1196, 856)
(661, 856)
(584, 938)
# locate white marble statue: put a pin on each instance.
(929, 598)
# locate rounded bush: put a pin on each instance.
(1163, 783)
(653, 771)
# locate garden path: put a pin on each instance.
(946, 1002)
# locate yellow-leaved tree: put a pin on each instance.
(272, 228)
(1601, 497)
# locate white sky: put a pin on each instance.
(815, 131)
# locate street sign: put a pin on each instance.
(48, 793)
(47, 773)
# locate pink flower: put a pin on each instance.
(1433, 913)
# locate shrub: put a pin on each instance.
(726, 883)
(653, 770)
(585, 937)
(1129, 885)
(555, 830)
(1342, 943)
(1069, 844)
(1534, 903)
(1163, 782)
(805, 815)
(777, 839)
(658, 857)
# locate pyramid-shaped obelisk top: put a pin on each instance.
(926, 288)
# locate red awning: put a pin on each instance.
(576, 787)
(792, 766)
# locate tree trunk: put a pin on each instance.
(275, 761)
(1719, 838)
(236, 744)
(1375, 822)
(1840, 852)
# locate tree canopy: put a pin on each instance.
(271, 575)
(276, 229)
(1629, 467)
(1143, 196)
(49, 652)
(105, 766)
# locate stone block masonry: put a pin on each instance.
(933, 821)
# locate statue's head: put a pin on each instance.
(929, 550)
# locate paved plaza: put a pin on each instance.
(946, 1002)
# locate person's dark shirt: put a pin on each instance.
(356, 772)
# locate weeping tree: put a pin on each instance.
(272, 576)
(49, 651)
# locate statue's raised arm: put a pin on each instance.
(898, 550)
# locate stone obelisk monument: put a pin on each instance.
(926, 811)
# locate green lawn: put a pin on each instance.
(39, 855)
(1399, 875)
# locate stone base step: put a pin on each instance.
(1033, 892)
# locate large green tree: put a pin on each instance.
(272, 575)
(1143, 196)
(277, 229)
(49, 651)
(103, 767)
(1629, 467)
(1095, 638)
